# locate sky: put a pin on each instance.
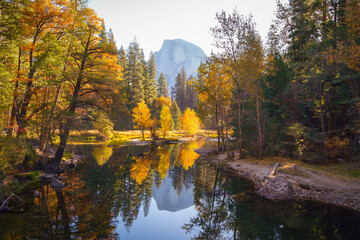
(153, 21)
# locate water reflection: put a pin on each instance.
(102, 154)
(144, 192)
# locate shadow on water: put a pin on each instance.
(166, 192)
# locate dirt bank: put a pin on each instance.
(291, 180)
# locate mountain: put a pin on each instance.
(177, 53)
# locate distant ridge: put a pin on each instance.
(177, 53)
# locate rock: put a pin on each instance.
(276, 188)
(48, 177)
(57, 184)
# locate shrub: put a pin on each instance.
(336, 147)
(12, 154)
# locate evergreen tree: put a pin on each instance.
(179, 90)
(190, 96)
(162, 86)
(150, 86)
(122, 58)
(176, 115)
(134, 74)
(111, 42)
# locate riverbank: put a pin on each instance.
(293, 180)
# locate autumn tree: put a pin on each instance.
(176, 115)
(165, 120)
(41, 22)
(91, 78)
(141, 115)
(242, 53)
(215, 90)
(190, 122)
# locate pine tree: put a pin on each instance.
(176, 115)
(134, 74)
(162, 86)
(190, 96)
(180, 82)
(122, 58)
(150, 86)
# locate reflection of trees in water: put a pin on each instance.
(102, 154)
(94, 197)
(226, 209)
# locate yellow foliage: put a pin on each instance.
(102, 154)
(141, 115)
(163, 101)
(165, 120)
(190, 122)
(164, 163)
(140, 169)
(336, 147)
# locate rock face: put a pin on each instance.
(177, 53)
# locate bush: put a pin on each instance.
(33, 175)
(12, 154)
(301, 135)
(104, 125)
(336, 147)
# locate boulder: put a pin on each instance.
(57, 184)
(275, 188)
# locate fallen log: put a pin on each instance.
(273, 171)
(12, 195)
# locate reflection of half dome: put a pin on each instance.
(168, 199)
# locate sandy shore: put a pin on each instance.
(291, 181)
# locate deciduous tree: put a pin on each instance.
(141, 115)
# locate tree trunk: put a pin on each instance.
(259, 126)
(240, 130)
(73, 105)
(28, 92)
(217, 126)
(14, 109)
(227, 136)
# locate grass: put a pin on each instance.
(89, 137)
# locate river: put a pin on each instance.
(165, 192)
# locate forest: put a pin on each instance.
(295, 95)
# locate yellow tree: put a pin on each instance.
(348, 51)
(242, 53)
(141, 115)
(42, 21)
(92, 75)
(140, 168)
(190, 122)
(215, 91)
(165, 120)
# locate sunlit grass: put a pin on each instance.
(92, 137)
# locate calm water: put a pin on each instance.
(144, 192)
